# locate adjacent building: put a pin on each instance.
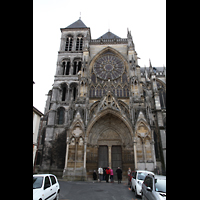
(36, 122)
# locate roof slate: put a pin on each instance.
(77, 24)
(109, 35)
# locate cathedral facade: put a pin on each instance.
(103, 109)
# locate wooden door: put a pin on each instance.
(103, 156)
(116, 154)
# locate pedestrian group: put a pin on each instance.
(108, 173)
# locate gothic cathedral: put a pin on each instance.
(103, 109)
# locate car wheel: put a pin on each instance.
(135, 192)
(57, 196)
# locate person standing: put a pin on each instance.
(94, 175)
(119, 175)
(100, 172)
(129, 174)
(111, 175)
(107, 174)
(104, 174)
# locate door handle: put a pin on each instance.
(50, 189)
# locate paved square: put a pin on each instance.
(89, 190)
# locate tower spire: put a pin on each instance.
(150, 63)
(80, 16)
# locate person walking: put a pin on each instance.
(107, 174)
(119, 174)
(111, 175)
(129, 174)
(100, 172)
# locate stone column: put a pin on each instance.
(135, 152)
(85, 152)
(67, 152)
(76, 145)
(152, 150)
(68, 88)
(109, 156)
(62, 44)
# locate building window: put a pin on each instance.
(77, 67)
(63, 92)
(93, 78)
(125, 92)
(66, 68)
(98, 91)
(119, 91)
(60, 115)
(124, 78)
(92, 91)
(68, 45)
(79, 43)
(74, 93)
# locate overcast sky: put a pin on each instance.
(146, 19)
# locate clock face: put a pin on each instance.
(108, 67)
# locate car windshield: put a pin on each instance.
(37, 182)
(160, 185)
(141, 175)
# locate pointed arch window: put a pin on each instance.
(119, 91)
(98, 91)
(60, 115)
(125, 91)
(79, 43)
(74, 93)
(93, 77)
(124, 78)
(92, 91)
(66, 68)
(68, 45)
(64, 92)
(113, 89)
(77, 67)
(104, 90)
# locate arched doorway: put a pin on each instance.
(109, 150)
(109, 144)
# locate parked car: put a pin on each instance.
(154, 187)
(130, 177)
(137, 180)
(45, 186)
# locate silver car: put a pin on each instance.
(154, 187)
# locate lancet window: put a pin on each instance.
(77, 67)
(60, 115)
(68, 45)
(66, 68)
(79, 43)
